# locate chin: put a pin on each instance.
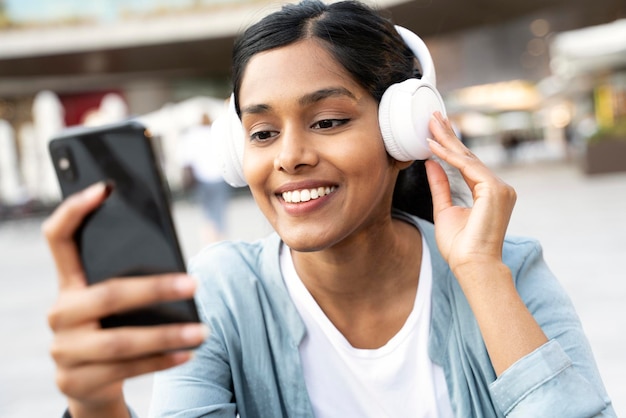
(302, 246)
(307, 243)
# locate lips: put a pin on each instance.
(305, 195)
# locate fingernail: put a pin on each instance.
(441, 120)
(433, 142)
(205, 332)
(184, 283)
(179, 357)
(95, 190)
(194, 333)
(109, 185)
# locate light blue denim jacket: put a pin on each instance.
(250, 364)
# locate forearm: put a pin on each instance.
(508, 328)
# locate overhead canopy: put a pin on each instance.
(77, 57)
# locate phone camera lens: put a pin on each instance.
(63, 158)
(64, 163)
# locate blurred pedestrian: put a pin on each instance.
(511, 141)
(202, 175)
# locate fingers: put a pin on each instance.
(83, 382)
(92, 362)
(493, 199)
(80, 306)
(451, 150)
(76, 348)
(59, 230)
(447, 146)
(443, 132)
(439, 186)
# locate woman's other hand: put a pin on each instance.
(471, 241)
(92, 363)
(467, 236)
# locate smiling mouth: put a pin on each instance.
(304, 195)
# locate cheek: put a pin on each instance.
(249, 162)
(248, 167)
(256, 172)
(257, 166)
(367, 155)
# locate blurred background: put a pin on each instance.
(536, 88)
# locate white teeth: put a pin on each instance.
(304, 195)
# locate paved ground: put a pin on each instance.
(580, 221)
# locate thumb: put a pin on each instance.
(439, 187)
(60, 227)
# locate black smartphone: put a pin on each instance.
(132, 232)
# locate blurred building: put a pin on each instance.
(589, 74)
(169, 60)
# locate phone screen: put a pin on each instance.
(131, 233)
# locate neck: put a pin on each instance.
(362, 262)
(367, 284)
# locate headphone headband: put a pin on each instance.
(421, 52)
(404, 112)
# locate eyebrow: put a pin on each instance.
(307, 99)
(322, 94)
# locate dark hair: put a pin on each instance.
(365, 44)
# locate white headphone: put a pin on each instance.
(404, 112)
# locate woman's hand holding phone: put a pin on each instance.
(92, 363)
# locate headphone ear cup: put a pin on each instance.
(403, 115)
(229, 132)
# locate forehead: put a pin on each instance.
(292, 70)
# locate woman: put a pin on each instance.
(355, 307)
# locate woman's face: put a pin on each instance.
(314, 157)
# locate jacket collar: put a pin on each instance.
(442, 280)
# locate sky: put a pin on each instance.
(44, 10)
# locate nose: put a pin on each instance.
(296, 151)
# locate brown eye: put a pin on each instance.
(330, 123)
(262, 136)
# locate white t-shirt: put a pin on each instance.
(396, 380)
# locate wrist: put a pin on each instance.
(480, 271)
(506, 325)
(485, 283)
(116, 408)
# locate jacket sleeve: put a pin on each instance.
(202, 386)
(560, 378)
